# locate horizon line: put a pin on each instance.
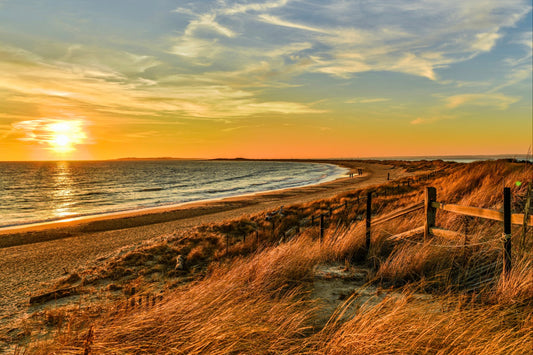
(393, 157)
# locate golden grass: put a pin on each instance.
(517, 286)
(407, 325)
(257, 301)
(228, 312)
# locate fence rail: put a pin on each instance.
(516, 218)
(399, 213)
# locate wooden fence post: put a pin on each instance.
(526, 215)
(431, 212)
(368, 219)
(507, 229)
(321, 227)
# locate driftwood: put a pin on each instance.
(54, 295)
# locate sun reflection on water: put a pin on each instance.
(62, 191)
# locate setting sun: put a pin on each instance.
(61, 142)
(57, 135)
(65, 135)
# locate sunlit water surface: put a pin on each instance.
(33, 192)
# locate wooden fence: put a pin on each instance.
(431, 205)
(322, 218)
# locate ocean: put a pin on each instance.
(35, 192)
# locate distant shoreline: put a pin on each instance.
(520, 156)
(456, 157)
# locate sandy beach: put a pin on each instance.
(33, 256)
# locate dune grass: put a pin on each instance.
(253, 296)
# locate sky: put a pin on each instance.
(93, 79)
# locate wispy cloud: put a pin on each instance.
(276, 21)
(53, 90)
(256, 7)
(485, 41)
(518, 69)
(526, 39)
(432, 119)
(207, 22)
(362, 100)
(397, 40)
(199, 39)
(498, 101)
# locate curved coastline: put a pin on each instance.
(93, 218)
(62, 228)
(35, 257)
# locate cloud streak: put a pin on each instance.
(498, 101)
(362, 100)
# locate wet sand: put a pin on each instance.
(32, 257)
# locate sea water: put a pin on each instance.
(33, 192)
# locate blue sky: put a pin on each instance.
(266, 79)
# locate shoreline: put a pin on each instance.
(31, 259)
(49, 231)
(118, 214)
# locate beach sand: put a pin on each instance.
(32, 257)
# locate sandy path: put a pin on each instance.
(26, 267)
